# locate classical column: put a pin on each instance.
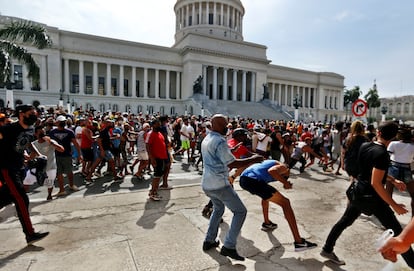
(177, 85)
(279, 101)
(121, 81)
(309, 97)
(225, 87)
(214, 13)
(286, 94)
(215, 83)
(221, 14)
(204, 80)
(200, 13)
(81, 78)
(273, 92)
(228, 16)
(187, 10)
(134, 82)
(167, 84)
(145, 83)
(95, 78)
(303, 97)
(193, 20)
(66, 86)
(252, 87)
(234, 87)
(207, 11)
(43, 73)
(108, 79)
(157, 84)
(244, 86)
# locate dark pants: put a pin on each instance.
(16, 193)
(293, 162)
(381, 210)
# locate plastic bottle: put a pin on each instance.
(390, 266)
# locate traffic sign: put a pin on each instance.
(359, 107)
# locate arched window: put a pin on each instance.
(88, 106)
(390, 107)
(128, 108)
(162, 110)
(114, 108)
(102, 107)
(406, 109)
(1, 103)
(18, 102)
(172, 111)
(36, 103)
(398, 111)
(139, 109)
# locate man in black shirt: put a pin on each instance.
(367, 195)
(15, 139)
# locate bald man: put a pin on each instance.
(217, 159)
(255, 179)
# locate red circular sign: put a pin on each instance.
(359, 107)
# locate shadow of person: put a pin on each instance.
(154, 210)
(29, 248)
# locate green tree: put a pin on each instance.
(350, 96)
(372, 99)
(12, 36)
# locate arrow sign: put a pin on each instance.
(359, 107)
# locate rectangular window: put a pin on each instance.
(126, 89)
(210, 18)
(198, 18)
(75, 84)
(190, 20)
(114, 89)
(101, 86)
(88, 84)
(326, 102)
(137, 89)
(18, 77)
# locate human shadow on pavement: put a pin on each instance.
(10, 211)
(29, 248)
(154, 210)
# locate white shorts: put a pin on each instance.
(142, 156)
(49, 182)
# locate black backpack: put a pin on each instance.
(37, 168)
(351, 156)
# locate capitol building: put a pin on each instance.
(210, 68)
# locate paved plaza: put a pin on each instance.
(112, 226)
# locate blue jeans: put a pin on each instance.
(226, 197)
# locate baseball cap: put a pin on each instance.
(61, 118)
(240, 132)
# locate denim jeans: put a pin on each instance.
(225, 197)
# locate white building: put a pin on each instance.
(109, 74)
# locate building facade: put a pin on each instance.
(209, 57)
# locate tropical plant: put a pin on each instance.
(372, 98)
(12, 37)
(350, 96)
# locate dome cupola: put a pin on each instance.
(219, 18)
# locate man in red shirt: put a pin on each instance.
(158, 157)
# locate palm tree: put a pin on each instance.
(372, 98)
(11, 36)
(350, 96)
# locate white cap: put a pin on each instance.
(61, 118)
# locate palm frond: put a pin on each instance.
(27, 32)
(12, 50)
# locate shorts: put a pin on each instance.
(256, 187)
(49, 181)
(185, 144)
(108, 155)
(159, 169)
(116, 152)
(142, 155)
(401, 172)
(87, 155)
(64, 165)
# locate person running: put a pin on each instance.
(255, 179)
(367, 195)
(15, 139)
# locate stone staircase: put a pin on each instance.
(255, 110)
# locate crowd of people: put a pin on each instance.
(256, 152)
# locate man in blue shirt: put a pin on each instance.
(255, 179)
(217, 159)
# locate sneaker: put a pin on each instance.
(269, 227)
(131, 168)
(332, 257)
(209, 245)
(232, 253)
(73, 188)
(304, 245)
(206, 211)
(302, 169)
(155, 197)
(37, 236)
(60, 194)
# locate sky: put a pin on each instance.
(366, 41)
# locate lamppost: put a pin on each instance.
(384, 110)
(296, 103)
